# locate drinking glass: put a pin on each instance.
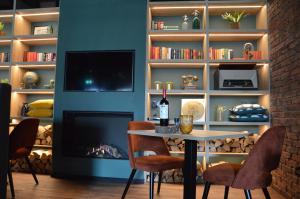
(186, 124)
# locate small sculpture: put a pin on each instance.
(50, 85)
(185, 23)
(196, 19)
(189, 82)
(248, 47)
(30, 80)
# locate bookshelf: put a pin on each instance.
(213, 33)
(20, 23)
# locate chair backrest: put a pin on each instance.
(139, 143)
(263, 158)
(23, 136)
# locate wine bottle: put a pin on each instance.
(164, 110)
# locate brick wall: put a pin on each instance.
(284, 27)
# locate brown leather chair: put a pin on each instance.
(21, 141)
(155, 163)
(255, 173)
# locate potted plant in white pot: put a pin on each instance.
(234, 18)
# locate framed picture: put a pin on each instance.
(195, 107)
(43, 30)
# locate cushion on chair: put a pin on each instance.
(20, 153)
(222, 174)
(158, 163)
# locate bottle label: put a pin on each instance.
(164, 111)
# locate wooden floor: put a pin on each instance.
(51, 188)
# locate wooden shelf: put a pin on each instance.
(229, 123)
(176, 63)
(235, 36)
(200, 154)
(34, 91)
(216, 63)
(238, 92)
(237, 31)
(5, 40)
(252, 7)
(37, 40)
(35, 65)
(46, 119)
(176, 37)
(40, 14)
(175, 8)
(4, 65)
(177, 92)
(6, 16)
(42, 146)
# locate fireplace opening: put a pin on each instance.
(95, 134)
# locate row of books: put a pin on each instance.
(4, 57)
(172, 53)
(227, 54)
(219, 54)
(39, 57)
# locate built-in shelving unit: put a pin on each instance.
(216, 33)
(20, 38)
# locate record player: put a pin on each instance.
(236, 79)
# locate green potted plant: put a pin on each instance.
(2, 33)
(234, 18)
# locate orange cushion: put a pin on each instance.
(20, 153)
(222, 174)
(156, 163)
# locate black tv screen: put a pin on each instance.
(98, 71)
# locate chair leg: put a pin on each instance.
(206, 190)
(266, 193)
(159, 181)
(11, 182)
(151, 185)
(226, 192)
(32, 170)
(247, 193)
(133, 171)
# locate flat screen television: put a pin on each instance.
(99, 71)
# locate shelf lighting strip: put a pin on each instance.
(236, 34)
(39, 14)
(5, 40)
(35, 92)
(6, 16)
(244, 6)
(177, 64)
(36, 66)
(177, 35)
(39, 39)
(175, 7)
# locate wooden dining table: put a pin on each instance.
(190, 155)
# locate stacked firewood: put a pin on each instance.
(235, 145)
(229, 145)
(176, 175)
(44, 135)
(41, 161)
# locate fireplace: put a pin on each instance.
(95, 134)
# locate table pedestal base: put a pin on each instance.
(190, 169)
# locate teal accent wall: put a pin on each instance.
(99, 25)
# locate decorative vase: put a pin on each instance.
(235, 25)
(196, 19)
(185, 23)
